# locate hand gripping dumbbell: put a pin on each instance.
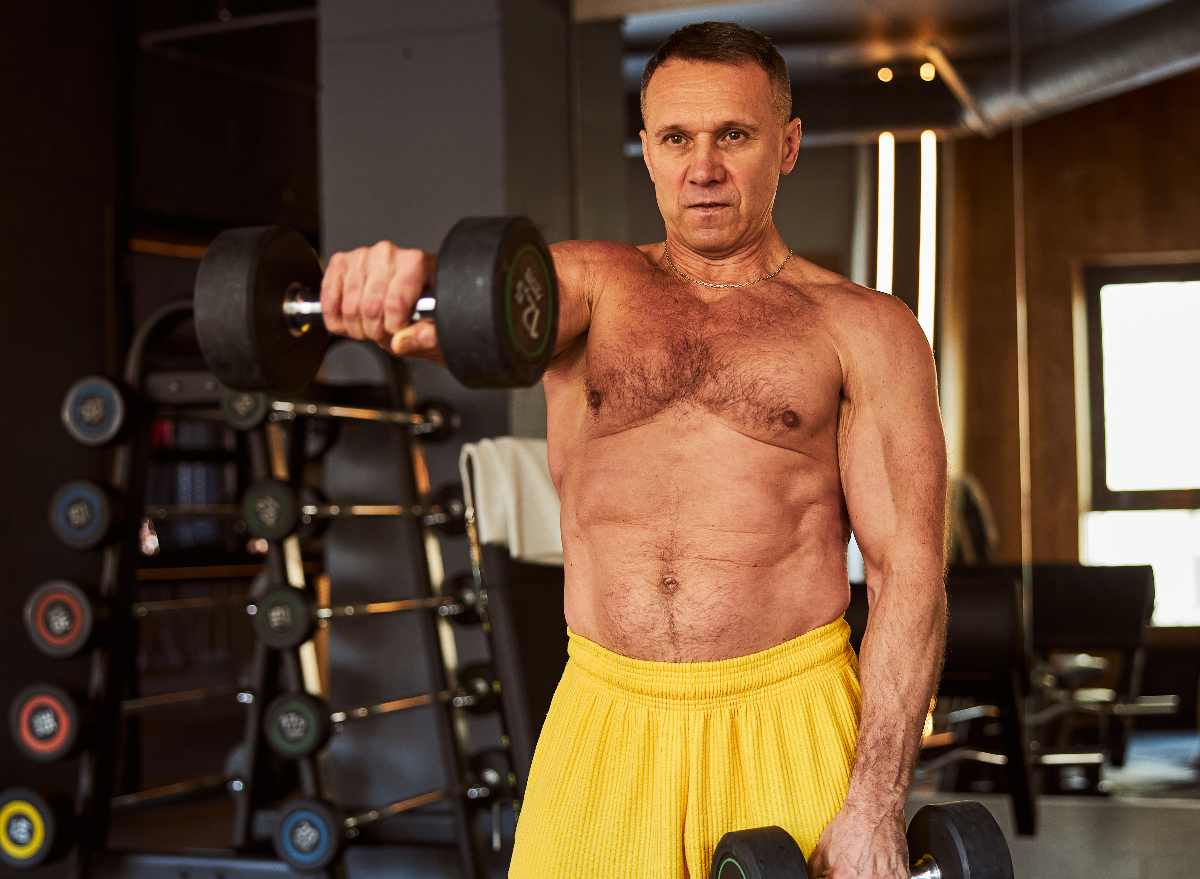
(948, 841)
(494, 300)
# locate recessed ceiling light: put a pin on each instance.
(885, 74)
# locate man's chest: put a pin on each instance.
(756, 360)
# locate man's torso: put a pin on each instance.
(693, 440)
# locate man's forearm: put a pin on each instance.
(899, 663)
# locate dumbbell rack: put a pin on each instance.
(112, 672)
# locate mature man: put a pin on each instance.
(721, 415)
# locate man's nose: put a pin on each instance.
(707, 165)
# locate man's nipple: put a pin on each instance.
(790, 419)
(594, 399)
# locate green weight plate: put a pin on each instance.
(296, 725)
(245, 410)
(963, 838)
(271, 509)
(93, 411)
(497, 302)
(284, 619)
(241, 285)
(59, 618)
(761, 853)
(81, 514)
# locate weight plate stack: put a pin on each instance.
(31, 827)
(296, 725)
(284, 618)
(45, 721)
(82, 514)
(93, 411)
(309, 835)
(271, 509)
(59, 618)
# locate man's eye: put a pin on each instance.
(735, 135)
(675, 139)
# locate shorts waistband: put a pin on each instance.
(820, 650)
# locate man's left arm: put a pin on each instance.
(892, 455)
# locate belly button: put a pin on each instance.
(790, 419)
(669, 584)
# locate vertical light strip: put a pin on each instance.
(926, 291)
(887, 212)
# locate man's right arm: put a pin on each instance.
(369, 293)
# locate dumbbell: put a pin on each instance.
(948, 841)
(50, 722)
(35, 828)
(83, 514)
(311, 832)
(258, 310)
(245, 410)
(286, 618)
(94, 410)
(61, 618)
(298, 725)
(274, 510)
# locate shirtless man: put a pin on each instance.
(721, 415)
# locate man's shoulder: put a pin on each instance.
(601, 252)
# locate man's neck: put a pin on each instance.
(744, 264)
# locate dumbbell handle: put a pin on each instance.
(302, 308)
(925, 868)
(460, 698)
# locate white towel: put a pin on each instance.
(508, 483)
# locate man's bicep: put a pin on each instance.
(575, 291)
(893, 450)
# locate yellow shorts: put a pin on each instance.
(642, 766)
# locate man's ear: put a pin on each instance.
(646, 153)
(791, 146)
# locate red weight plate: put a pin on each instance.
(56, 737)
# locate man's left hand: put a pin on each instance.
(862, 844)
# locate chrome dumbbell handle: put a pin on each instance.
(302, 308)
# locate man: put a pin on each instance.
(720, 414)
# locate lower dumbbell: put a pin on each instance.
(94, 411)
(494, 300)
(298, 725)
(286, 618)
(311, 832)
(83, 514)
(949, 841)
(245, 410)
(35, 828)
(273, 510)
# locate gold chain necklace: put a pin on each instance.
(671, 263)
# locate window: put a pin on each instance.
(1143, 330)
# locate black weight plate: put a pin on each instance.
(479, 679)
(296, 725)
(59, 618)
(284, 618)
(240, 288)
(45, 721)
(442, 417)
(245, 410)
(963, 838)
(761, 853)
(493, 769)
(93, 410)
(29, 828)
(81, 514)
(462, 587)
(309, 835)
(449, 499)
(271, 509)
(497, 302)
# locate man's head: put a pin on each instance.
(715, 102)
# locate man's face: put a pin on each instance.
(715, 149)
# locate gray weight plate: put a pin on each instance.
(240, 288)
(497, 302)
(963, 838)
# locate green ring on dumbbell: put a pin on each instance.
(271, 509)
(296, 725)
(284, 618)
(721, 874)
(514, 329)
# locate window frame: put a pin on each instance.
(1130, 270)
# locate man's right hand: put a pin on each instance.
(370, 293)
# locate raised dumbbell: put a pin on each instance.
(297, 725)
(274, 510)
(35, 828)
(495, 303)
(94, 410)
(286, 618)
(83, 514)
(948, 841)
(245, 410)
(311, 832)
